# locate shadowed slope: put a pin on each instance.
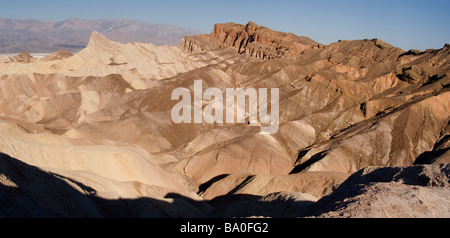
(27, 191)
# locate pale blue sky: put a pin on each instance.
(413, 24)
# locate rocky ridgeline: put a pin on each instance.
(251, 39)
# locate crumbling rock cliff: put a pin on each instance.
(252, 39)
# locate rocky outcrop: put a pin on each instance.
(392, 192)
(23, 57)
(374, 192)
(194, 45)
(253, 40)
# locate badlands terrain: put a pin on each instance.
(363, 130)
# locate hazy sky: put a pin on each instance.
(413, 24)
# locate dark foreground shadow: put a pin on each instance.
(429, 157)
(29, 192)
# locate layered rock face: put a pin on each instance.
(253, 40)
(96, 129)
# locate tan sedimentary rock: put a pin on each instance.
(102, 118)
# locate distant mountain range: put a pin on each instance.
(36, 36)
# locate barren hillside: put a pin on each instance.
(95, 128)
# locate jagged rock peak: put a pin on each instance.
(250, 39)
(381, 44)
(251, 27)
(98, 39)
(25, 54)
(95, 36)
